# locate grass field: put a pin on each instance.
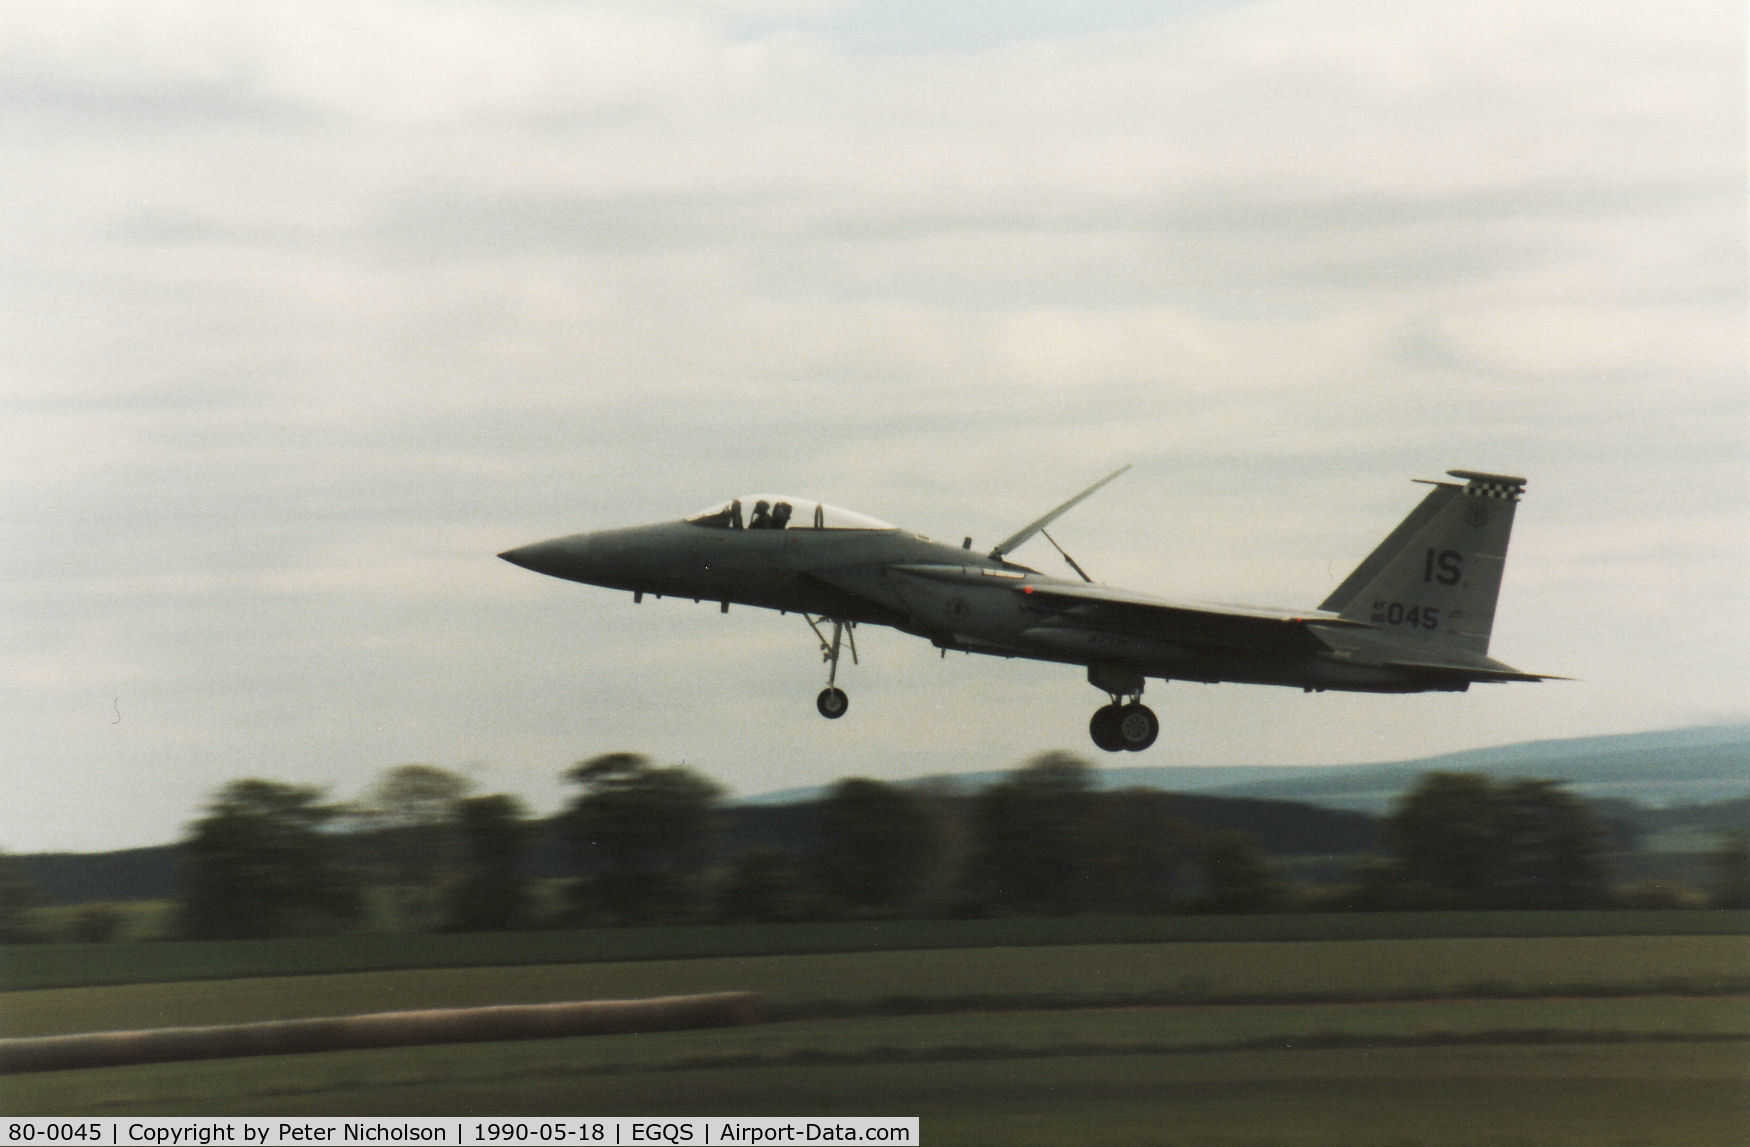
(73, 965)
(1641, 1071)
(1545, 1039)
(853, 983)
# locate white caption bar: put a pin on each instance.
(690, 1131)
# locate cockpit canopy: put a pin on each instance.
(782, 512)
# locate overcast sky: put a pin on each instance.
(308, 310)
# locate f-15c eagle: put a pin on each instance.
(1413, 617)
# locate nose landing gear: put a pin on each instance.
(1126, 724)
(832, 701)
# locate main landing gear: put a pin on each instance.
(1124, 727)
(1126, 724)
(832, 701)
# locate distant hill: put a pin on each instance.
(1172, 778)
(1675, 767)
(1693, 766)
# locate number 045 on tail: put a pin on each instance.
(1413, 617)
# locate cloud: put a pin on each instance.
(314, 308)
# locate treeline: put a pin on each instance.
(640, 843)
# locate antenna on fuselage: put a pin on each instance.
(1014, 540)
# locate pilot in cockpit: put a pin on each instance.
(766, 516)
(728, 518)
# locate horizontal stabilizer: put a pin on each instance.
(1501, 484)
(1494, 671)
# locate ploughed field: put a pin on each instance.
(1424, 1039)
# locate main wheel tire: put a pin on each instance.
(832, 703)
(1137, 727)
(1104, 728)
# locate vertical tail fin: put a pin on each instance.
(1435, 578)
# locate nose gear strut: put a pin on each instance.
(832, 701)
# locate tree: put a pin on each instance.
(1446, 835)
(16, 901)
(1032, 839)
(950, 811)
(641, 836)
(1238, 874)
(492, 893)
(412, 816)
(766, 885)
(875, 843)
(96, 924)
(1140, 852)
(263, 862)
(1552, 857)
(1462, 840)
(1731, 865)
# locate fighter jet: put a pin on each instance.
(1413, 617)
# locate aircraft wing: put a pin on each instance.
(1104, 608)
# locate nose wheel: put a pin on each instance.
(832, 703)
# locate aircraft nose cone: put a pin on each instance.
(545, 557)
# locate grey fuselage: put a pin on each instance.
(963, 600)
